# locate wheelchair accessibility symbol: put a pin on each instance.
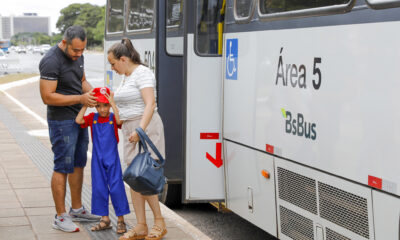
(231, 58)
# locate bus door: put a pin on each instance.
(204, 177)
(170, 93)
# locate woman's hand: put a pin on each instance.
(134, 137)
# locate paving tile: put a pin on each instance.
(11, 212)
(17, 180)
(20, 162)
(40, 211)
(4, 181)
(8, 195)
(17, 233)
(176, 233)
(28, 164)
(7, 138)
(33, 184)
(5, 186)
(42, 197)
(10, 148)
(64, 236)
(14, 204)
(13, 221)
(24, 173)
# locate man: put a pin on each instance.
(64, 89)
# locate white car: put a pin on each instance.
(44, 48)
(21, 49)
(36, 50)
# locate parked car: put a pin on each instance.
(36, 49)
(44, 48)
(21, 49)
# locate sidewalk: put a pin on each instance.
(26, 203)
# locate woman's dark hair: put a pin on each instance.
(125, 48)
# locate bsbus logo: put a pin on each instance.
(298, 126)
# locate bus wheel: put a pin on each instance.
(171, 196)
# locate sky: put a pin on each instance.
(44, 8)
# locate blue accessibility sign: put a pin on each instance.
(231, 59)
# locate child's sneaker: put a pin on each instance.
(64, 223)
(83, 215)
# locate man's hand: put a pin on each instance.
(88, 99)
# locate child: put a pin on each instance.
(106, 167)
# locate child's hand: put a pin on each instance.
(110, 97)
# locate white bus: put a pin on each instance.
(286, 110)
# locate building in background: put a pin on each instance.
(29, 22)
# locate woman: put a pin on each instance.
(136, 101)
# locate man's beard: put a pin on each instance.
(66, 53)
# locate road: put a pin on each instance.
(217, 225)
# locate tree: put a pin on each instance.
(99, 31)
(86, 15)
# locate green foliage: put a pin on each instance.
(90, 17)
(99, 31)
(34, 39)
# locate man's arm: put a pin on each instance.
(86, 86)
(50, 97)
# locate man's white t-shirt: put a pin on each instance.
(128, 97)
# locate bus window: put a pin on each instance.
(243, 9)
(277, 6)
(208, 15)
(140, 15)
(174, 32)
(379, 4)
(115, 16)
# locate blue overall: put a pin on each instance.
(106, 170)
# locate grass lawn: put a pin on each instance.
(15, 77)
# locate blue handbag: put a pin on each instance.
(145, 175)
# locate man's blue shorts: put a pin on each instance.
(69, 144)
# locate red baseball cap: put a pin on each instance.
(99, 93)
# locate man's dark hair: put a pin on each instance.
(74, 32)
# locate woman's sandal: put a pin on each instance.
(157, 233)
(133, 235)
(102, 225)
(121, 227)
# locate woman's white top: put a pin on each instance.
(128, 97)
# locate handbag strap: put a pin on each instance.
(145, 139)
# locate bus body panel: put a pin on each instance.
(347, 126)
(315, 200)
(250, 194)
(386, 216)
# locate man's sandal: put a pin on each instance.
(121, 227)
(102, 225)
(156, 233)
(133, 235)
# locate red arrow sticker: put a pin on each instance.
(217, 161)
(209, 135)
